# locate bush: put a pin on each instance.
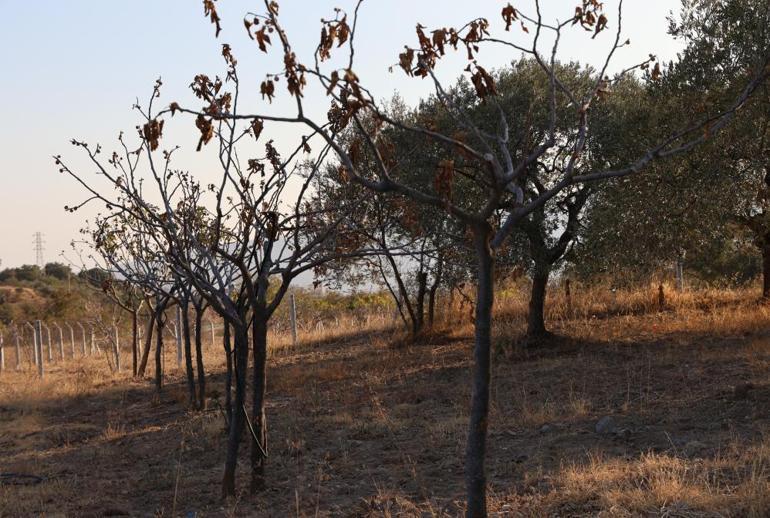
(58, 271)
(29, 273)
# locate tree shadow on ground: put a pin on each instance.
(359, 428)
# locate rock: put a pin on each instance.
(693, 448)
(606, 425)
(546, 428)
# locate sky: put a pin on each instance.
(74, 69)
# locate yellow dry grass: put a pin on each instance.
(361, 427)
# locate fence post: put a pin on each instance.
(83, 331)
(211, 325)
(72, 337)
(117, 348)
(18, 348)
(39, 346)
(34, 343)
(293, 314)
(61, 339)
(680, 274)
(48, 336)
(178, 332)
(2, 353)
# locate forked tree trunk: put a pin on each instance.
(475, 449)
(236, 425)
(188, 356)
(402, 297)
(536, 316)
(259, 423)
(147, 345)
(199, 359)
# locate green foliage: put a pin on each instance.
(27, 273)
(58, 270)
(95, 276)
(710, 205)
(726, 262)
(313, 305)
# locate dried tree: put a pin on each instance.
(238, 244)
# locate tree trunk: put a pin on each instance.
(536, 317)
(188, 356)
(766, 272)
(419, 312)
(159, 353)
(259, 422)
(661, 298)
(228, 375)
(403, 293)
(432, 293)
(147, 345)
(236, 425)
(199, 359)
(431, 308)
(135, 342)
(475, 449)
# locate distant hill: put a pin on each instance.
(54, 292)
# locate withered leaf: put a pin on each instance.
(267, 89)
(256, 127)
(335, 78)
(262, 38)
(210, 10)
(509, 15)
(152, 131)
(406, 60)
(206, 128)
(655, 75)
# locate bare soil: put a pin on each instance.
(360, 427)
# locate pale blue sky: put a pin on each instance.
(74, 68)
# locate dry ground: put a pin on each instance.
(362, 427)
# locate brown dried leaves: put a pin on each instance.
(332, 31)
(210, 10)
(152, 133)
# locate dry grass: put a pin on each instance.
(359, 427)
(736, 481)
